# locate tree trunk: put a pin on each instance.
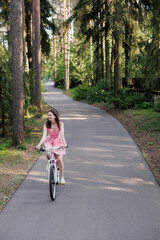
(68, 45)
(108, 70)
(97, 43)
(118, 48)
(62, 28)
(65, 49)
(37, 57)
(108, 11)
(25, 64)
(112, 61)
(55, 59)
(102, 41)
(28, 22)
(17, 71)
(2, 110)
(32, 84)
(118, 64)
(127, 49)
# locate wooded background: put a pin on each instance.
(114, 44)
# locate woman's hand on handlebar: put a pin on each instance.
(37, 148)
(64, 147)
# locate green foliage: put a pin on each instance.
(5, 144)
(5, 82)
(128, 99)
(21, 147)
(125, 99)
(60, 74)
(80, 92)
(157, 106)
(96, 94)
(81, 68)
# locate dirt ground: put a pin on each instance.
(148, 144)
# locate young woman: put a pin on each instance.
(55, 129)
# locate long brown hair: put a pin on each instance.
(55, 113)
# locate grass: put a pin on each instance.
(146, 119)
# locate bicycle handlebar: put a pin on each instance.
(52, 148)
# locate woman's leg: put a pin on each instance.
(48, 152)
(48, 156)
(61, 165)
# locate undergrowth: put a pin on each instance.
(125, 99)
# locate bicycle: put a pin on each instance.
(53, 171)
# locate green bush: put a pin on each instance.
(80, 92)
(157, 106)
(125, 99)
(5, 143)
(128, 99)
(96, 95)
(21, 147)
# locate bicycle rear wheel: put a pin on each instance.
(52, 183)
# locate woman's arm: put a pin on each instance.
(43, 137)
(62, 134)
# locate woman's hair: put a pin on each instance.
(55, 113)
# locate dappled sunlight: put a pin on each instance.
(128, 181)
(110, 183)
(39, 176)
(120, 165)
(93, 180)
(97, 149)
(101, 187)
(37, 173)
(109, 151)
(106, 181)
(73, 118)
(115, 138)
(108, 164)
(38, 179)
(135, 181)
(51, 93)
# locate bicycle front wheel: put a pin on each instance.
(52, 183)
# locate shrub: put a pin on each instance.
(80, 92)
(21, 147)
(157, 106)
(95, 94)
(125, 99)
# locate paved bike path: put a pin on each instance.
(110, 192)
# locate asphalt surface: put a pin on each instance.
(110, 192)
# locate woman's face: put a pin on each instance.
(51, 116)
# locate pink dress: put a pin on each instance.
(54, 140)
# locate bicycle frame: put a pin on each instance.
(53, 160)
(53, 170)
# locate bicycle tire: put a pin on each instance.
(52, 184)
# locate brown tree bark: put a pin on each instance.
(65, 48)
(127, 48)
(55, 58)
(68, 44)
(108, 12)
(37, 56)
(102, 37)
(16, 23)
(32, 85)
(118, 47)
(62, 28)
(97, 43)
